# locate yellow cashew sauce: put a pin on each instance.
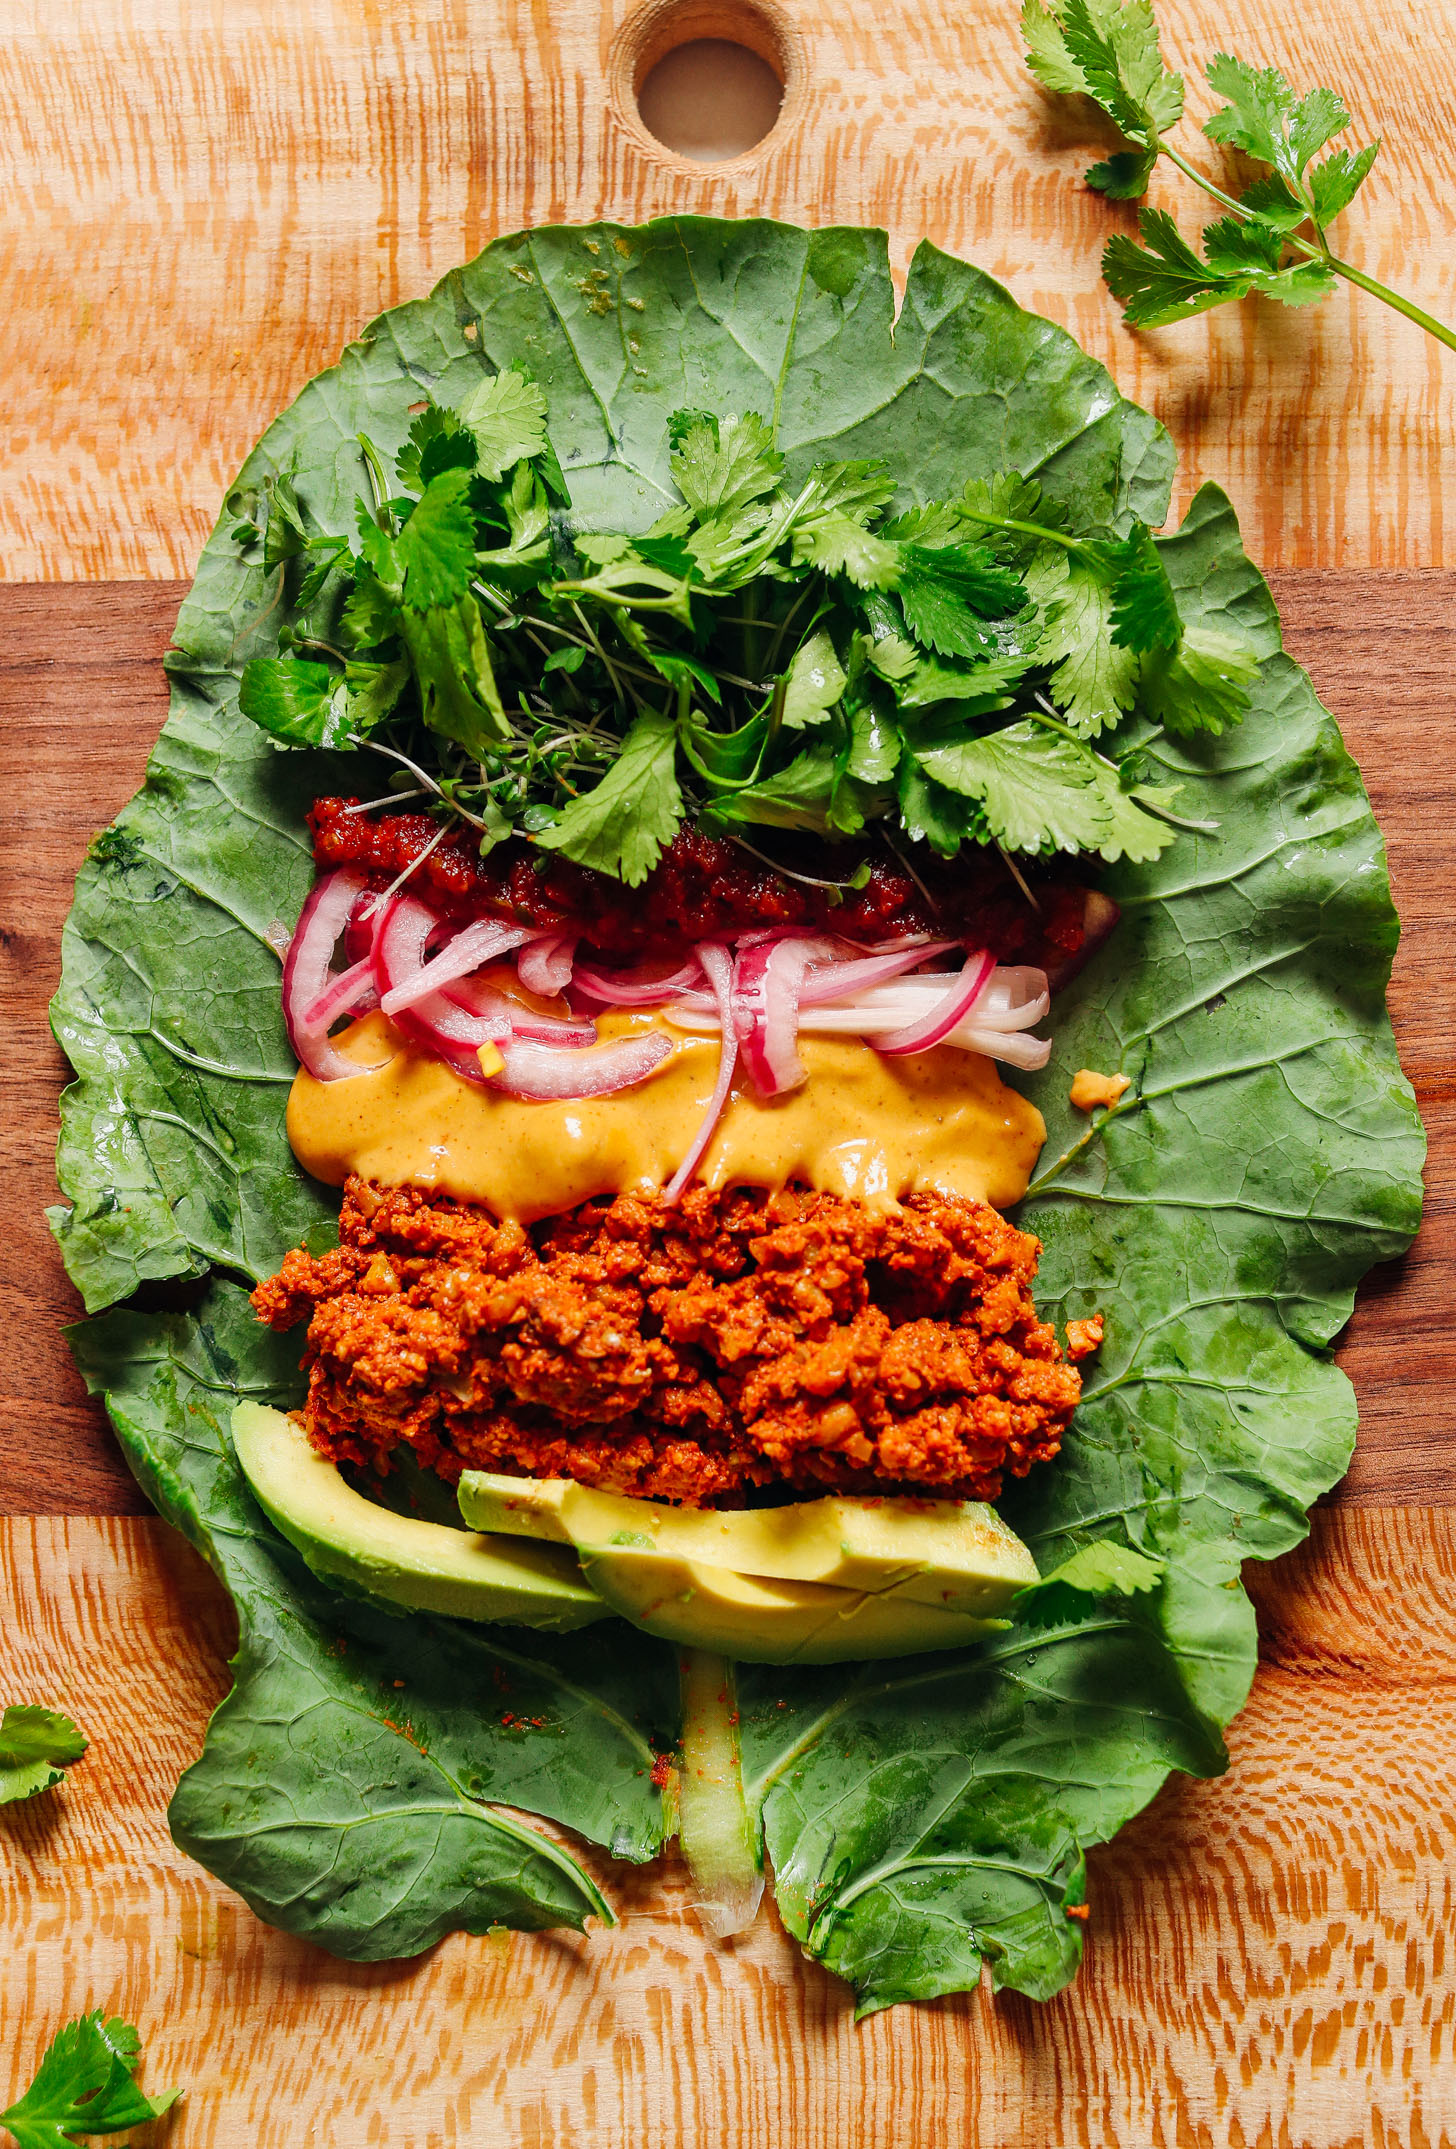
(869, 1128)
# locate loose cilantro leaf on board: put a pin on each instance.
(1111, 53)
(84, 2086)
(37, 1746)
(1272, 242)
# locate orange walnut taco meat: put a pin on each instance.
(697, 1352)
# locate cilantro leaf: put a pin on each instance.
(874, 745)
(1163, 280)
(729, 758)
(1144, 609)
(84, 2085)
(435, 551)
(36, 1746)
(1071, 1591)
(858, 489)
(1263, 118)
(373, 690)
(837, 544)
(1254, 250)
(990, 503)
(622, 825)
(945, 593)
(813, 683)
(296, 701)
(1124, 175)
(285, 535)
(681, 670)
(1093, 678)
(890, 655)
(929, 813)
(370, 616)
(798, 796)
(437, 441)
(722, 464)
(1202, 685)
(1334, 184)
(1041, 791)
(507, 415)
(1110, 53)
(451, 659)
(981, 686)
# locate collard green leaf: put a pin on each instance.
(351, 1784)
(923, 1817)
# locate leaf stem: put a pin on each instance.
(1404, 305)
(1317, 251)
(718, 1835)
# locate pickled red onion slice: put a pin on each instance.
(544, 966)
(639, 987)
(948, 1010)
(413, 981)
(307, 976)
(767, 978)
(838, 981)
(548, 1074)
(480, 997)
(718, 966)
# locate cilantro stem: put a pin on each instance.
(1200, 179)
(378, 483)
(1313, 251)
(1043, 715)
(810, 880)
(1025, 529)
(623, 694)
(1404, 305)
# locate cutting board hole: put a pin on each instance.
(707, 78)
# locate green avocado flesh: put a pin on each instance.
(425, 1566)
(953, 1555)
(767, 1620)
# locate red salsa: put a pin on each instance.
(706, 885)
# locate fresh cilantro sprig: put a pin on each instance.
(84, 2085)
(1272, 238)
(37, 1746)
(772, 653)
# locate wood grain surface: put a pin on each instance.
(201, 201)
(1269, 1954)
(82, 696)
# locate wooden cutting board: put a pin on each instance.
(199, 203)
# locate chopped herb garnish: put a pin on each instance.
(773, 652)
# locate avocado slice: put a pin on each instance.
(769, 1620)
(355, 1545)
(957, 1555)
